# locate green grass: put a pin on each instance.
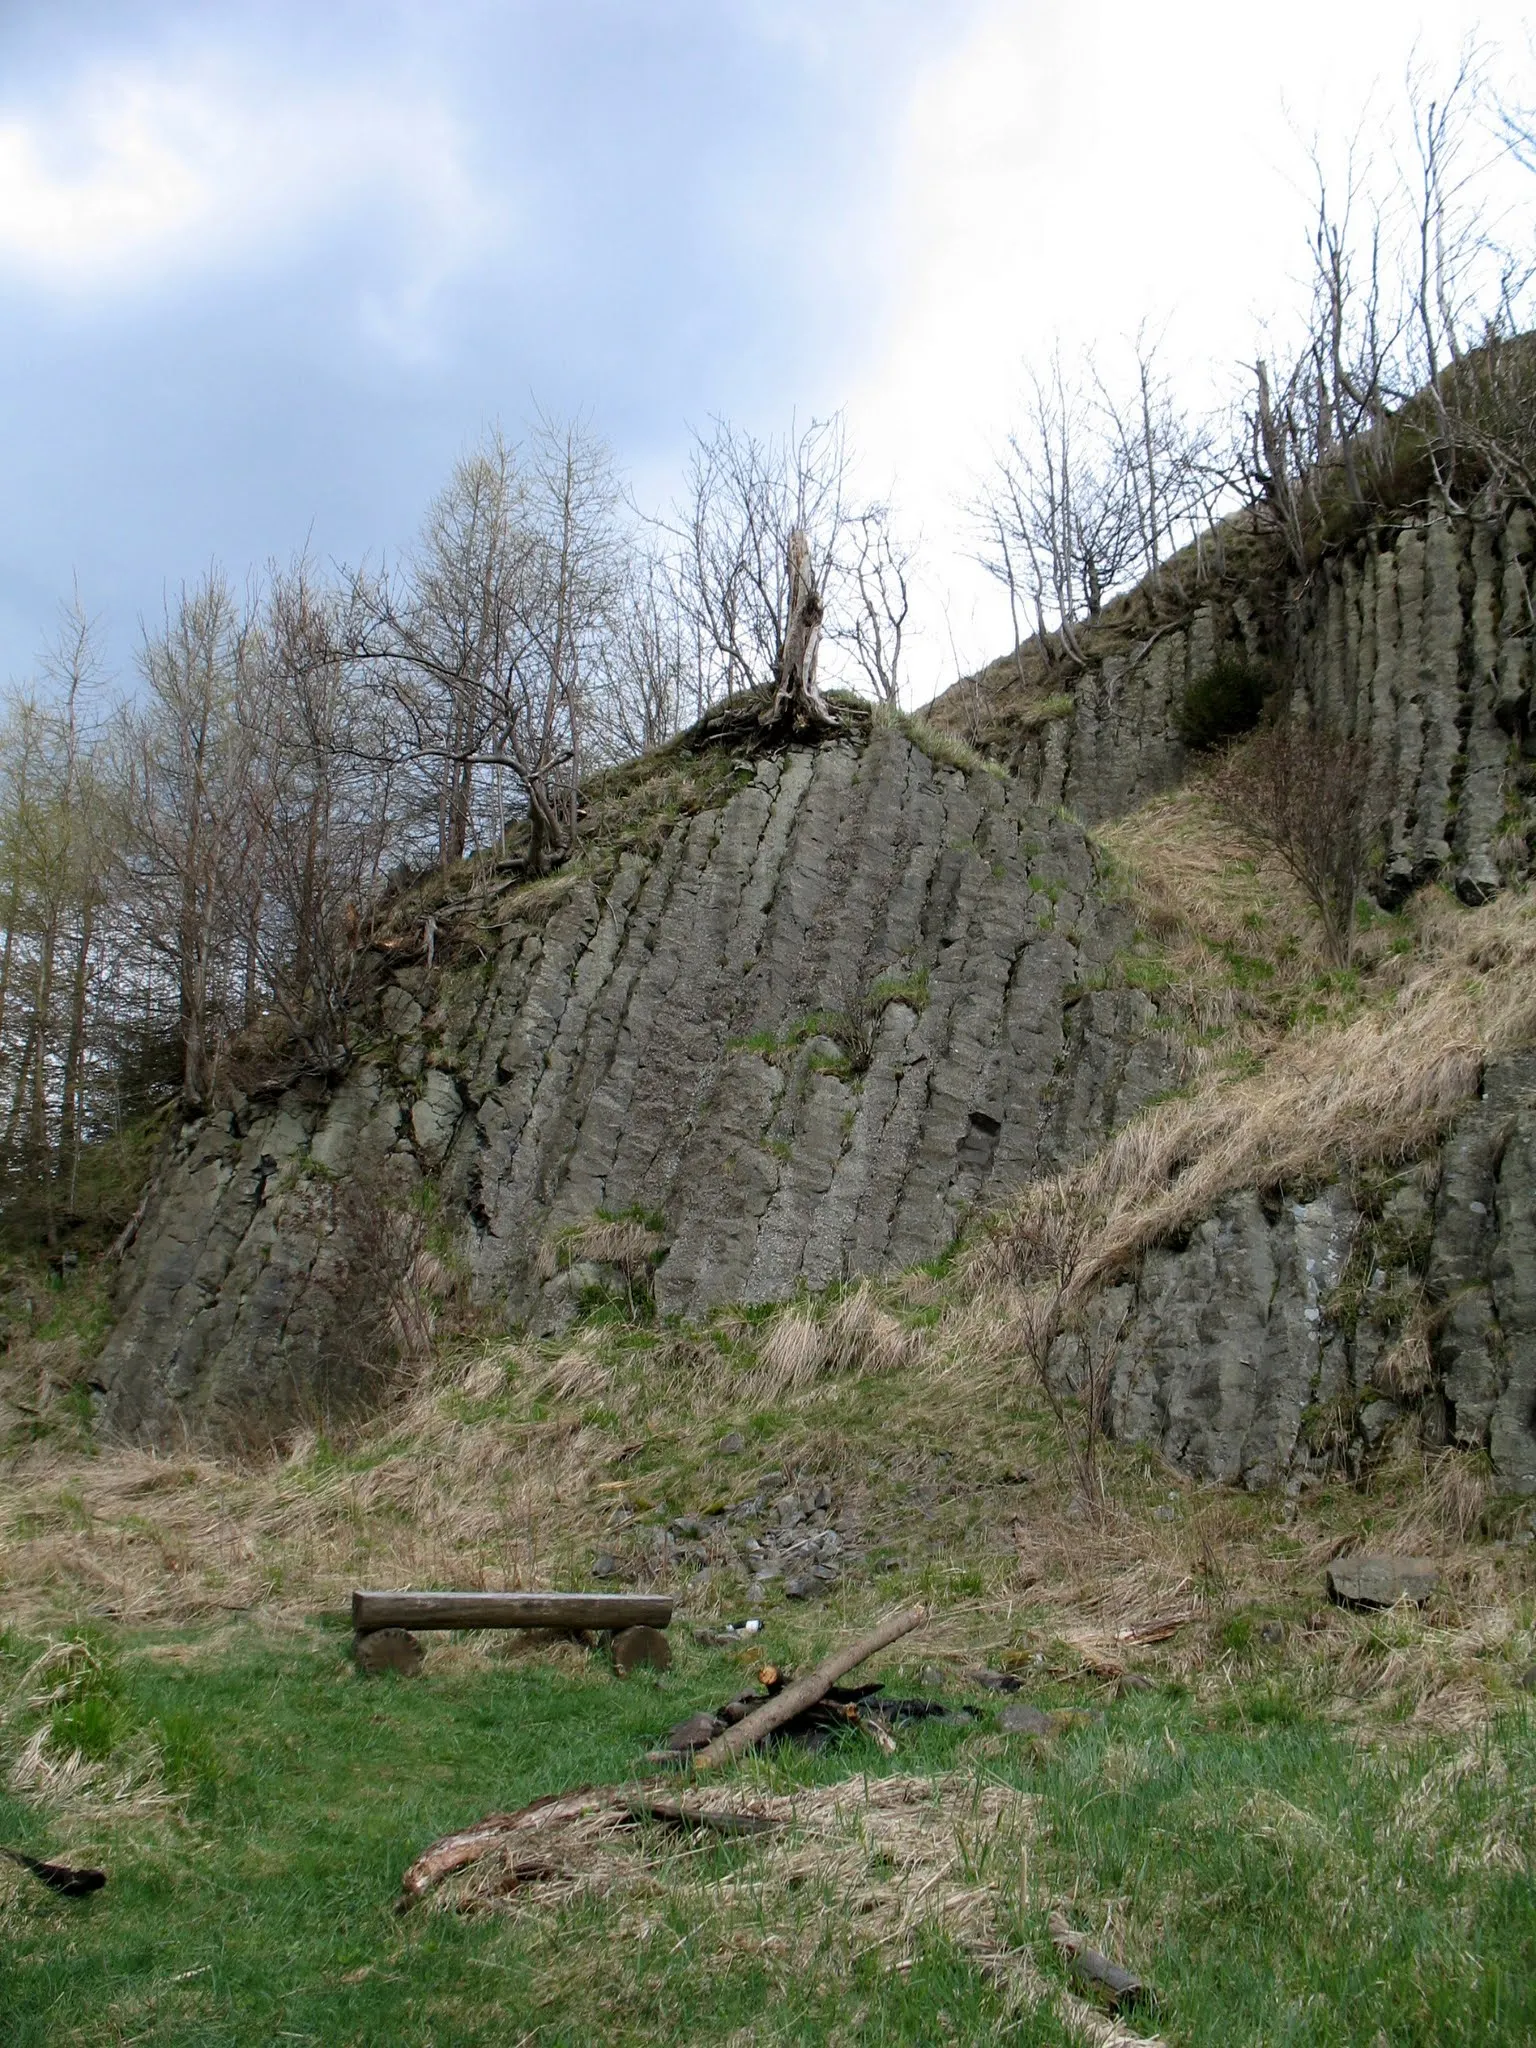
(1276, 1881)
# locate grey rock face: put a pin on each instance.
(1365, 1580)
(1417, 639)
(1482, 1273)
(1227, 1342)
(825, 1023)
(1233, 1343)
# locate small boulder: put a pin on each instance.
(605, 1566)
(1023, 1720)
(733, 1445)
(995, 1681)
(1365, 1579)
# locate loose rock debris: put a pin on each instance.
(871, 1863)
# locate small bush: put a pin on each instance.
(1227, 699)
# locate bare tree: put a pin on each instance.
(1298, 791)
(192, 858)
(1070, 1350)
(487, 645)
(1094, 490)
(744, 587)
(323, 807)
(882, 573)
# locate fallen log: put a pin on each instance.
(1122, 1986)
(805, 1692)
(509, 1610)
(673, 1813)
(454, 1852)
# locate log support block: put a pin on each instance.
(387, 1649)
(637, 1649)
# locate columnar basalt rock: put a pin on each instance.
(1416, 637)
(1242, 1357)
(833, 1016)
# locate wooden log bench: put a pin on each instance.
(383, 1623)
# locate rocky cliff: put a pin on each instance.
(1288, 1334)
(1416, 636)
(835, 1011)
(809, 1021)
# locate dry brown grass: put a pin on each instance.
(806, 1344)
(626, 1244)
(1326, 1101)
(850, 1870)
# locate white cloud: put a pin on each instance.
(139, 174)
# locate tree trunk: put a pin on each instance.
(798, 706)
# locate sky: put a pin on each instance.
(266, 269)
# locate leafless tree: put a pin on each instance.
(192, 860)
(1068, 1342)
(323, 810)
(1095, 489)
(1408, 355)
(745, 498)
(882, 577)
(1299, 791)
(487, 645)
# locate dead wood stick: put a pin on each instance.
(805, 1692)
(673, 1813)
(1121, 1985)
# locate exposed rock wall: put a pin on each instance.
(677, 1040)
(1418, 638)
(1270, 1343)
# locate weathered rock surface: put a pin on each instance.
(1417, 638)
(1368, 1580)
(1245, 1358)
(828, 1019)
(1482, 1273)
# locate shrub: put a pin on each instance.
(1223, 701)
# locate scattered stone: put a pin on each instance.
(1367, 1580)
(1022, 1720)
(801, 1588)
(687, 1525)
(1165, 1515)
(697, 1732)
(604, 1566)
(388, 1649)
(733, 1445)
(995, 1681)
(640, 1648)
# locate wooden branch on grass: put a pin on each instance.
(510, 1610)
(1121, 1986)
(794, 1699)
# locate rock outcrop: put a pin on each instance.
(1417, 637)
(1270, 1344)
(828, 1019)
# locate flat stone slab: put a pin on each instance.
(1366, 1579)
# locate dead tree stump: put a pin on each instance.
(797, 708)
